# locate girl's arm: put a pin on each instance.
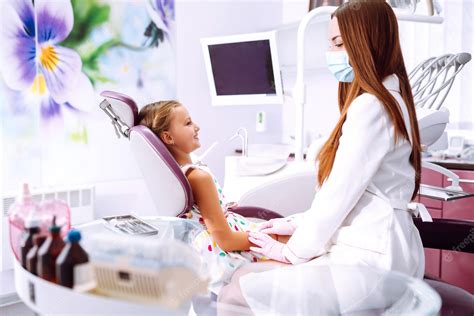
(207, 200)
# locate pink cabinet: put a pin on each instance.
(432, 256)
(431, 177)
(433, 262)
(454, 267)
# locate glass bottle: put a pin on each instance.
(32, 256)
(31, 229)
(49, 252)
(71, 256)
(23, 208)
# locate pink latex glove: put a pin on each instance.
(268, 246)
(279, 226)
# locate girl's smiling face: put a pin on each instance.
(183, 131)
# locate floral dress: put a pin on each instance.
(221, 263)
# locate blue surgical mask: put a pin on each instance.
(338, 63)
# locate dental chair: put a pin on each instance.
(169, 188)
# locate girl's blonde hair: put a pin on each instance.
(157, 116)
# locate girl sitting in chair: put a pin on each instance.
(225, 235)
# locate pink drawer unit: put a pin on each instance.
(435, 213)
(431, 177)
(433, 263)
(433, 256)
(458, 269)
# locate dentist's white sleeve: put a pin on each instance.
(364, 142)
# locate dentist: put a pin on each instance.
(369, 168)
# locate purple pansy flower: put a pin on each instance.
(163, 16)
(166, 10)
(33, 62)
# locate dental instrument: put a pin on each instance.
(430, 79)
(242, 133)
(432, 76)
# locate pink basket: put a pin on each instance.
(19, 212)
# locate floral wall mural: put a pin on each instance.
(55, 59)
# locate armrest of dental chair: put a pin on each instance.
(256, 212)
(449, 234)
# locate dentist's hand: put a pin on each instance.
(279, 226)
(268, 246)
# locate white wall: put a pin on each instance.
(197, 19)
(321, 109)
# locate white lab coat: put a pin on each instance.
(360, 215)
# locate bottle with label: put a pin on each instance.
(49, 252)
(70, 257)
(23, 208)
(32, 256)
(31, 229)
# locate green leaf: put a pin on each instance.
(87, 16)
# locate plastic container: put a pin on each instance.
(49, 252)
(32, 256)
(23, 208)
(71, 256)
(58, 209)
(146, 270)
(31, 229)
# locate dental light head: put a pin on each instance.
(431, 81)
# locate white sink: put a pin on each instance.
(259, 166)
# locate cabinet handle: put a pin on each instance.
(462, 180)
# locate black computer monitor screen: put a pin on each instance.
(242, 68)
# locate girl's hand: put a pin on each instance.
(268, 246)
(279, 226)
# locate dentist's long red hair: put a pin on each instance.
(369, 31)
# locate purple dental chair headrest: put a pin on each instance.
(169, 188)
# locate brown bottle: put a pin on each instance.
(71, 255)
(49, 252)
(32, 228)
(32, 256)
